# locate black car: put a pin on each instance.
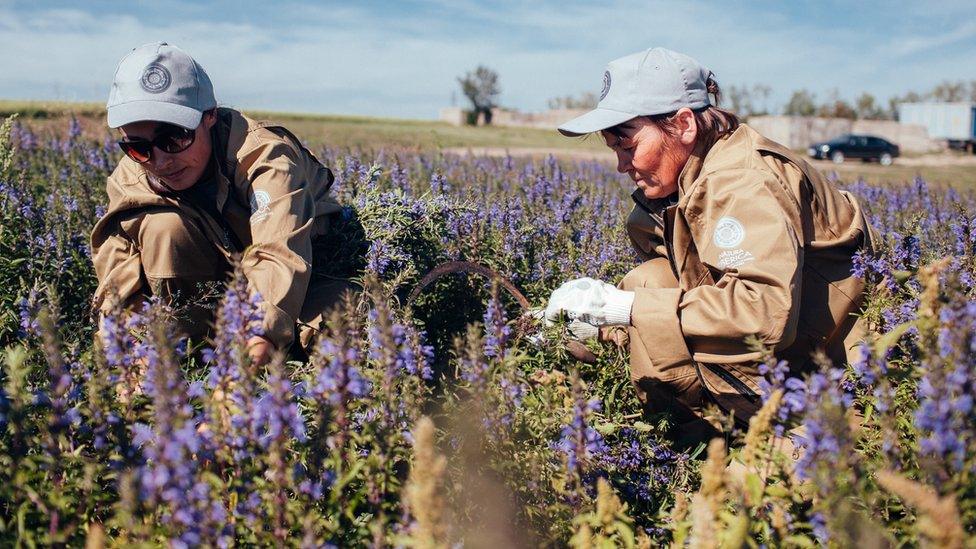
(865, 147)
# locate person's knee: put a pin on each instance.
(655, 273)
(171, 246)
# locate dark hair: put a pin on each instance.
(713, 123)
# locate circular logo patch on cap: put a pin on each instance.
(155, 78)
(729, 233)
(606, 85)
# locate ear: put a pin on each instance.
(209, 118)
(686, 126)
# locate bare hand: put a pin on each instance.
(259, 349)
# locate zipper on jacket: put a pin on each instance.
(742, 422)
(669, 239)
(735, 382)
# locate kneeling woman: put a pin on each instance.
(741, 238)
(199, 186)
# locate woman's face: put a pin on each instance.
(650, 156)
(178, 171)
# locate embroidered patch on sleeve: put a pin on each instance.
(259, 206)
(729, 233)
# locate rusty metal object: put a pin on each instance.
(575, 348)
(451, 267)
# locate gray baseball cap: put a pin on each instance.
(655, 81)
(159, 82)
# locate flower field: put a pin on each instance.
(444, 420)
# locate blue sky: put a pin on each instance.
(402, 58)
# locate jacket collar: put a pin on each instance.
(703, 160)
(693, 168)
(221, 139)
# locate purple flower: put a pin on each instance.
(497, 330)
(946, 417)
(399, 346)
(826, 433)
(275, 416)
(579, 442)
(339, 381)
(239, 319)
(170, 479)
(29, 308)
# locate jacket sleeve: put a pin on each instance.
(278, 263)
(745, 232)
(117, 265)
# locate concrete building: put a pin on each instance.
(798, 132)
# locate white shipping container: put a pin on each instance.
(954, 121)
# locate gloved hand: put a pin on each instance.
(578, 329)
(592, 302)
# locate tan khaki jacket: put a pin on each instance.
(273, 195)
(760, 245)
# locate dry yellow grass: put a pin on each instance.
(938, 517)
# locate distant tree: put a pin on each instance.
(748, 101)
(801, 103)
(482, 89)
(739, 99)
(867, 108)
(760, 95)
(949, 92)
(586, 100)
(835, 107)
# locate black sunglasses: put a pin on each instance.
(169, 138)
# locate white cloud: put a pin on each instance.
(403, 61)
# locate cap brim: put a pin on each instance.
(596, 120)
(156, 111)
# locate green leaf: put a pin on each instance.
(868, 412)
(626, 533)
(777, 491)
(891, 338)
(349, 476)
(754, 486)
(798, 541)
(642, 427)
(737, 531)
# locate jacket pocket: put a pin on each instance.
(733, 387)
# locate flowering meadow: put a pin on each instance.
(453, 419)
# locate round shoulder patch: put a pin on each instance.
(155, 78)
(259, 206)
(606, 85)
(729, 233)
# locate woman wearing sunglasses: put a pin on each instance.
(200, 186)
(741, 238)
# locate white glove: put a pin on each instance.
(592, 302)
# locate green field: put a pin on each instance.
(360, 132)
(332, 130)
